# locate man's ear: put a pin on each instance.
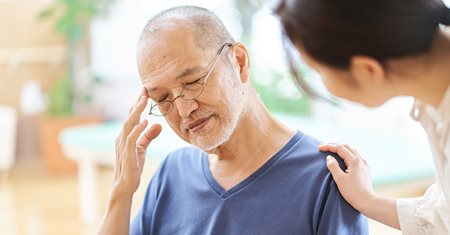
(243, 61)
(367, 70)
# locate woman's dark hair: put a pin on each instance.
(331, 31)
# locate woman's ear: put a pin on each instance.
(367, 70)
(243, 61)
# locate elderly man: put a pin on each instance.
(247, 174)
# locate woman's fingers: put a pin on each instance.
(350, 155)
(341, 150)
(332, 163)
(354, 151)
(335, 169)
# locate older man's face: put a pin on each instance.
(172, 61)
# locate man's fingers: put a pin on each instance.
(134, 135)
(148, 135)
(143, 93)
(139, 99)
(334, 168)
(134, 116)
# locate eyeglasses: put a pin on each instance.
(189, 91)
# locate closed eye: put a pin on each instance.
(193, 82)
(162, 99)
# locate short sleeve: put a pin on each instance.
(339, 217)
(142, 221)
(137, 224)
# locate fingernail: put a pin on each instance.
(142, 98)
(329, 157)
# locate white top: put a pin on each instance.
(430, 214)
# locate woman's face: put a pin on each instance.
(345, 84)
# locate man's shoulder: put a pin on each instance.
(306, 149)
(304, 161)
(308, 164)
(303, 147)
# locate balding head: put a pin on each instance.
(187, 52)
(208, 30)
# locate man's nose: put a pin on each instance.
(185, 107)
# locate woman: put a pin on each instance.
(369, 52)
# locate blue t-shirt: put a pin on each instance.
(292, 193)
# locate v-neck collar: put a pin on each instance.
(224, 194)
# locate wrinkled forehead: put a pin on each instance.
(170, 56)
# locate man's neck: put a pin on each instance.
(257, 137)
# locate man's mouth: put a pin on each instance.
(198, 124)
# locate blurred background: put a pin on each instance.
(68, 78)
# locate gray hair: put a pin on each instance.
(208, 29)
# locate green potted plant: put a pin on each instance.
(72, 20)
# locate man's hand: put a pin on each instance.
(131, 148)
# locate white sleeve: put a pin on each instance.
(427, 215)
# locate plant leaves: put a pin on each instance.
(46, 13)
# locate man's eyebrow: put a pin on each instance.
(151, 89)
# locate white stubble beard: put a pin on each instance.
(208, 141)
